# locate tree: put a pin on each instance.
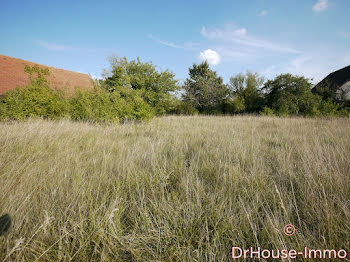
(36, 99)
(289, 94)
(118, 77)
(37, 75)
(156, 88)
(204, 90)
(246, 92)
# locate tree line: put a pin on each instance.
(135, 90)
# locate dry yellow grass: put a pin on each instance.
(174, 189)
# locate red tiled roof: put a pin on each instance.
(12, 75)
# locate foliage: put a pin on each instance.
(156, 88)
(37, 75)
(204, 90)
(33, 100)
(98, 105)
(291, 95)
(138, 91)
(246, 92)
(183, 108)
(266, 111)
(38, 100)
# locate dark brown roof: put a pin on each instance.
(333, 82)
(12, 75)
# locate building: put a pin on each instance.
(335, 85)
(12, 75)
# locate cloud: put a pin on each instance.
(320, 6)
(263, 13)
(232, 55)
(212, 57)
(53, 47)
(311, 66)
(240, 36)
(188, 45)
(344, 34)
(63, 48)
(240, 32)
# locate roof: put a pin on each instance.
(334, 82)
(12, 75)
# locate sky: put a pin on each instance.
(270, 37)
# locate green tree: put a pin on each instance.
(98, 105)
(36, 99)
(291, 95)
(246, 92)
(204, 90)
(156, 87)
(37, 76)
(118, 77)
(288, 94)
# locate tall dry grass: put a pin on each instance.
(174, 189)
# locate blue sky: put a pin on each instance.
(306, 37)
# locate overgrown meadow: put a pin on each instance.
(136, 169)
(177, 188)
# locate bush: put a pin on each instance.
(246, 92)
(32, 101)
(291, 95)
(204, 90)
(267, 111)
(330, 108)
(234, 105)
(92, 105)
(183, 108)
(155, 87)
(98, 105)
(38, 100)
(131, 105)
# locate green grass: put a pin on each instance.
(174, 189)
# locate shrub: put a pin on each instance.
(291, 95)
(131, 105)
(98, 105)
(92, 105)
(246, 92)
(32, 101)
(184, 108)
(155, 87)
(267, 111)
(328, 107)
(204, 90)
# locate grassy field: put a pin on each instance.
(173, 189)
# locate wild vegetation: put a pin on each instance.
(178, 188)
(133, 90)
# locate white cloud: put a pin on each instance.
(53, 47)
(344, 34)
(298, 62)
(241, 32)
(212, 57)
(233, 55)
(240, 36)
(188, 45)
(269, 72)
(263, 13)
(170, 44)
(311, 66)
(320, 6)
(63, 48)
